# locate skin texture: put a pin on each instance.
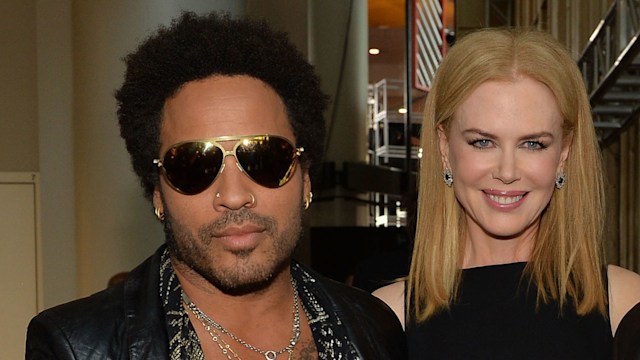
(230, 252)
(504, 147)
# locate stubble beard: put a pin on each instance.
(247, 274)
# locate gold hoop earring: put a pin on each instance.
(159, 214)
(308, 200)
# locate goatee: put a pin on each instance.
(247, 275)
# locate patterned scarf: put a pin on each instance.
(328, 331)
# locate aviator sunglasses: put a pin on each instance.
(190, 167)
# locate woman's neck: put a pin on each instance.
(482, 249)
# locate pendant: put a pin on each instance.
(270, 355)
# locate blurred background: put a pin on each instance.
(73, 214)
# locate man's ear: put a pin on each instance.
(157, 198)
(443, 145)
(306, 182)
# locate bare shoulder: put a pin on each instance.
(624, 293)
(393, 295)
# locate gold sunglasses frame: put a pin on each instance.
(216, 141)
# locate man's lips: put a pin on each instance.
(240, 237)
(238, 230)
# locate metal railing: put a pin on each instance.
(611, 70)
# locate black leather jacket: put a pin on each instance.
(127, 322)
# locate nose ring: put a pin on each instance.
(253, 200)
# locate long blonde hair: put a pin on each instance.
(567, 258)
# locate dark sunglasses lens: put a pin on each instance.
(268, 161)
(192, 167)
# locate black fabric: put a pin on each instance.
(626, 343)
(127, 321)
(383, 269)
(331, 336)
(496, 318)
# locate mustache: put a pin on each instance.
(237, 217)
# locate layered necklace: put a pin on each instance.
(214, 329)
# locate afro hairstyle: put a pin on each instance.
(196, 47)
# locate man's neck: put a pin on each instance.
(263, 319)
(274, 300)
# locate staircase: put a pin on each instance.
(610, 65)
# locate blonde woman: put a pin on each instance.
(508, 260)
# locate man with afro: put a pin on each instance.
(223, 120)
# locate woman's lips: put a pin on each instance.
(505, 200)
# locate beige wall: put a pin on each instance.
(279, 13)
(18, 88)
(55, 124)
(62, 66)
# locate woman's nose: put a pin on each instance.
(507, 167)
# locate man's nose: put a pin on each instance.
(232, 189)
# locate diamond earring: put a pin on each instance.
(447, 176)
(560, 180)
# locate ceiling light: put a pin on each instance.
(402, 111)
(374, 51)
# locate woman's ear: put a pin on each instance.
(566, 148)
(443, 144)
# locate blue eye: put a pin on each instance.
(481, 143)
(534, 145)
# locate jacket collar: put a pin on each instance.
(144, 318)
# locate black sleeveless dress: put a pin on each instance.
(496, 318)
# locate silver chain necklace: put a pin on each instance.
(268, 354)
